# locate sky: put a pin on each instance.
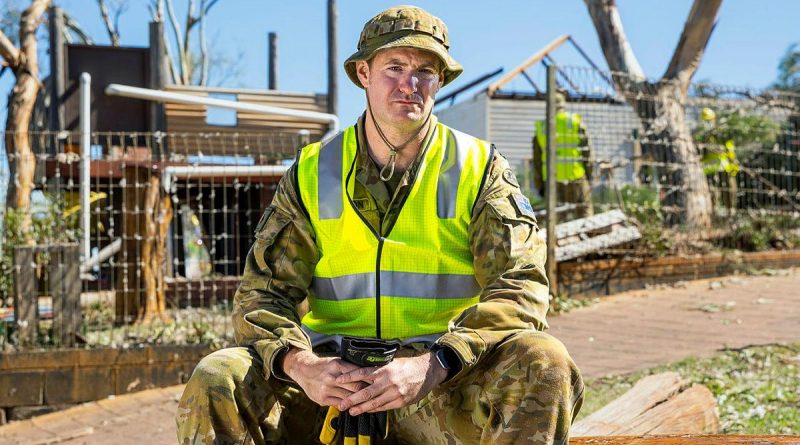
(745, 48)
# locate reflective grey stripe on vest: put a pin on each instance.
(458, 145)
(318, 339)
(395, 284)
(329, 179)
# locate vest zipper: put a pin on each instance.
(378, 289)
(377, 257)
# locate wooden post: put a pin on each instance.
(552, 216)
(57, 69)
(26, 298)
(157, 78)
(637, 157)
(128, 284)
(272, 66)
(65, 289)
(333, 106)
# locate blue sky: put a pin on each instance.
(750, 37)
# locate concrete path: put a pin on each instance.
(621, 334)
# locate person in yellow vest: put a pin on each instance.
(720, 164)
(419, 259)
(574, 163)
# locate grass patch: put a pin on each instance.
(209, 325)
(563, 303)
(757, 388)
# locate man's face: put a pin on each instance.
(401, 84)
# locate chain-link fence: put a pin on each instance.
(170, 220)
(719, 170)
(171, 216)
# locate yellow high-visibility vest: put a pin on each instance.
(569, 159)
(413, 280)
(719, 160)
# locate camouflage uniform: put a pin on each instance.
(515, 383)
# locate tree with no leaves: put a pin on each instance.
(186, 67)
(23, 62)
(661, 104)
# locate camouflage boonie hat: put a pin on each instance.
(404, 26)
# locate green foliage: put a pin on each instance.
(49, 226)
(789, 69)
(211, 326)
(757, 388)
(757, 231)
(738, 126)
(562, 304)
(642, 204)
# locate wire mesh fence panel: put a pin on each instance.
(715, 170)
(171, 218)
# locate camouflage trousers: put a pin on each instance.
(526, 390)
(576, 192)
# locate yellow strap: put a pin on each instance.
(364, 440)
(328, 433)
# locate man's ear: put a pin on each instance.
(362, 70)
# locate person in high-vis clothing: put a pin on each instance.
(404, 234)
(574, 159)
(719, 164)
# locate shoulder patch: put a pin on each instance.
(522, 205)
(509, 177)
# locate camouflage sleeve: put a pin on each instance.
(276, 278)
(509, 266)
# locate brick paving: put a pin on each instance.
(622, 333)
(643, 328)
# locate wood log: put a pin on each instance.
(687, 440)
(645, 394)
(657, 404)
(691, 411)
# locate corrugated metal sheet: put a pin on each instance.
(184, 118)
(510, 123)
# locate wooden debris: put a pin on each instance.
(582, 236)
(687, 439)
(657, 404)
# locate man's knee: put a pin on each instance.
(543, 356)
(221, 371)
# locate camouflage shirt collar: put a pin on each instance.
(368, 173)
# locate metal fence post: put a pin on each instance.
(551, 265)
(86, 125)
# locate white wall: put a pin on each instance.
(468, 116)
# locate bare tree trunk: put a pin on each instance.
(203, 45)
(685, 171)
(113, 32)
(158, 214)
(176, 30)
(187, 49)
(661, 106)
(24, 63)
